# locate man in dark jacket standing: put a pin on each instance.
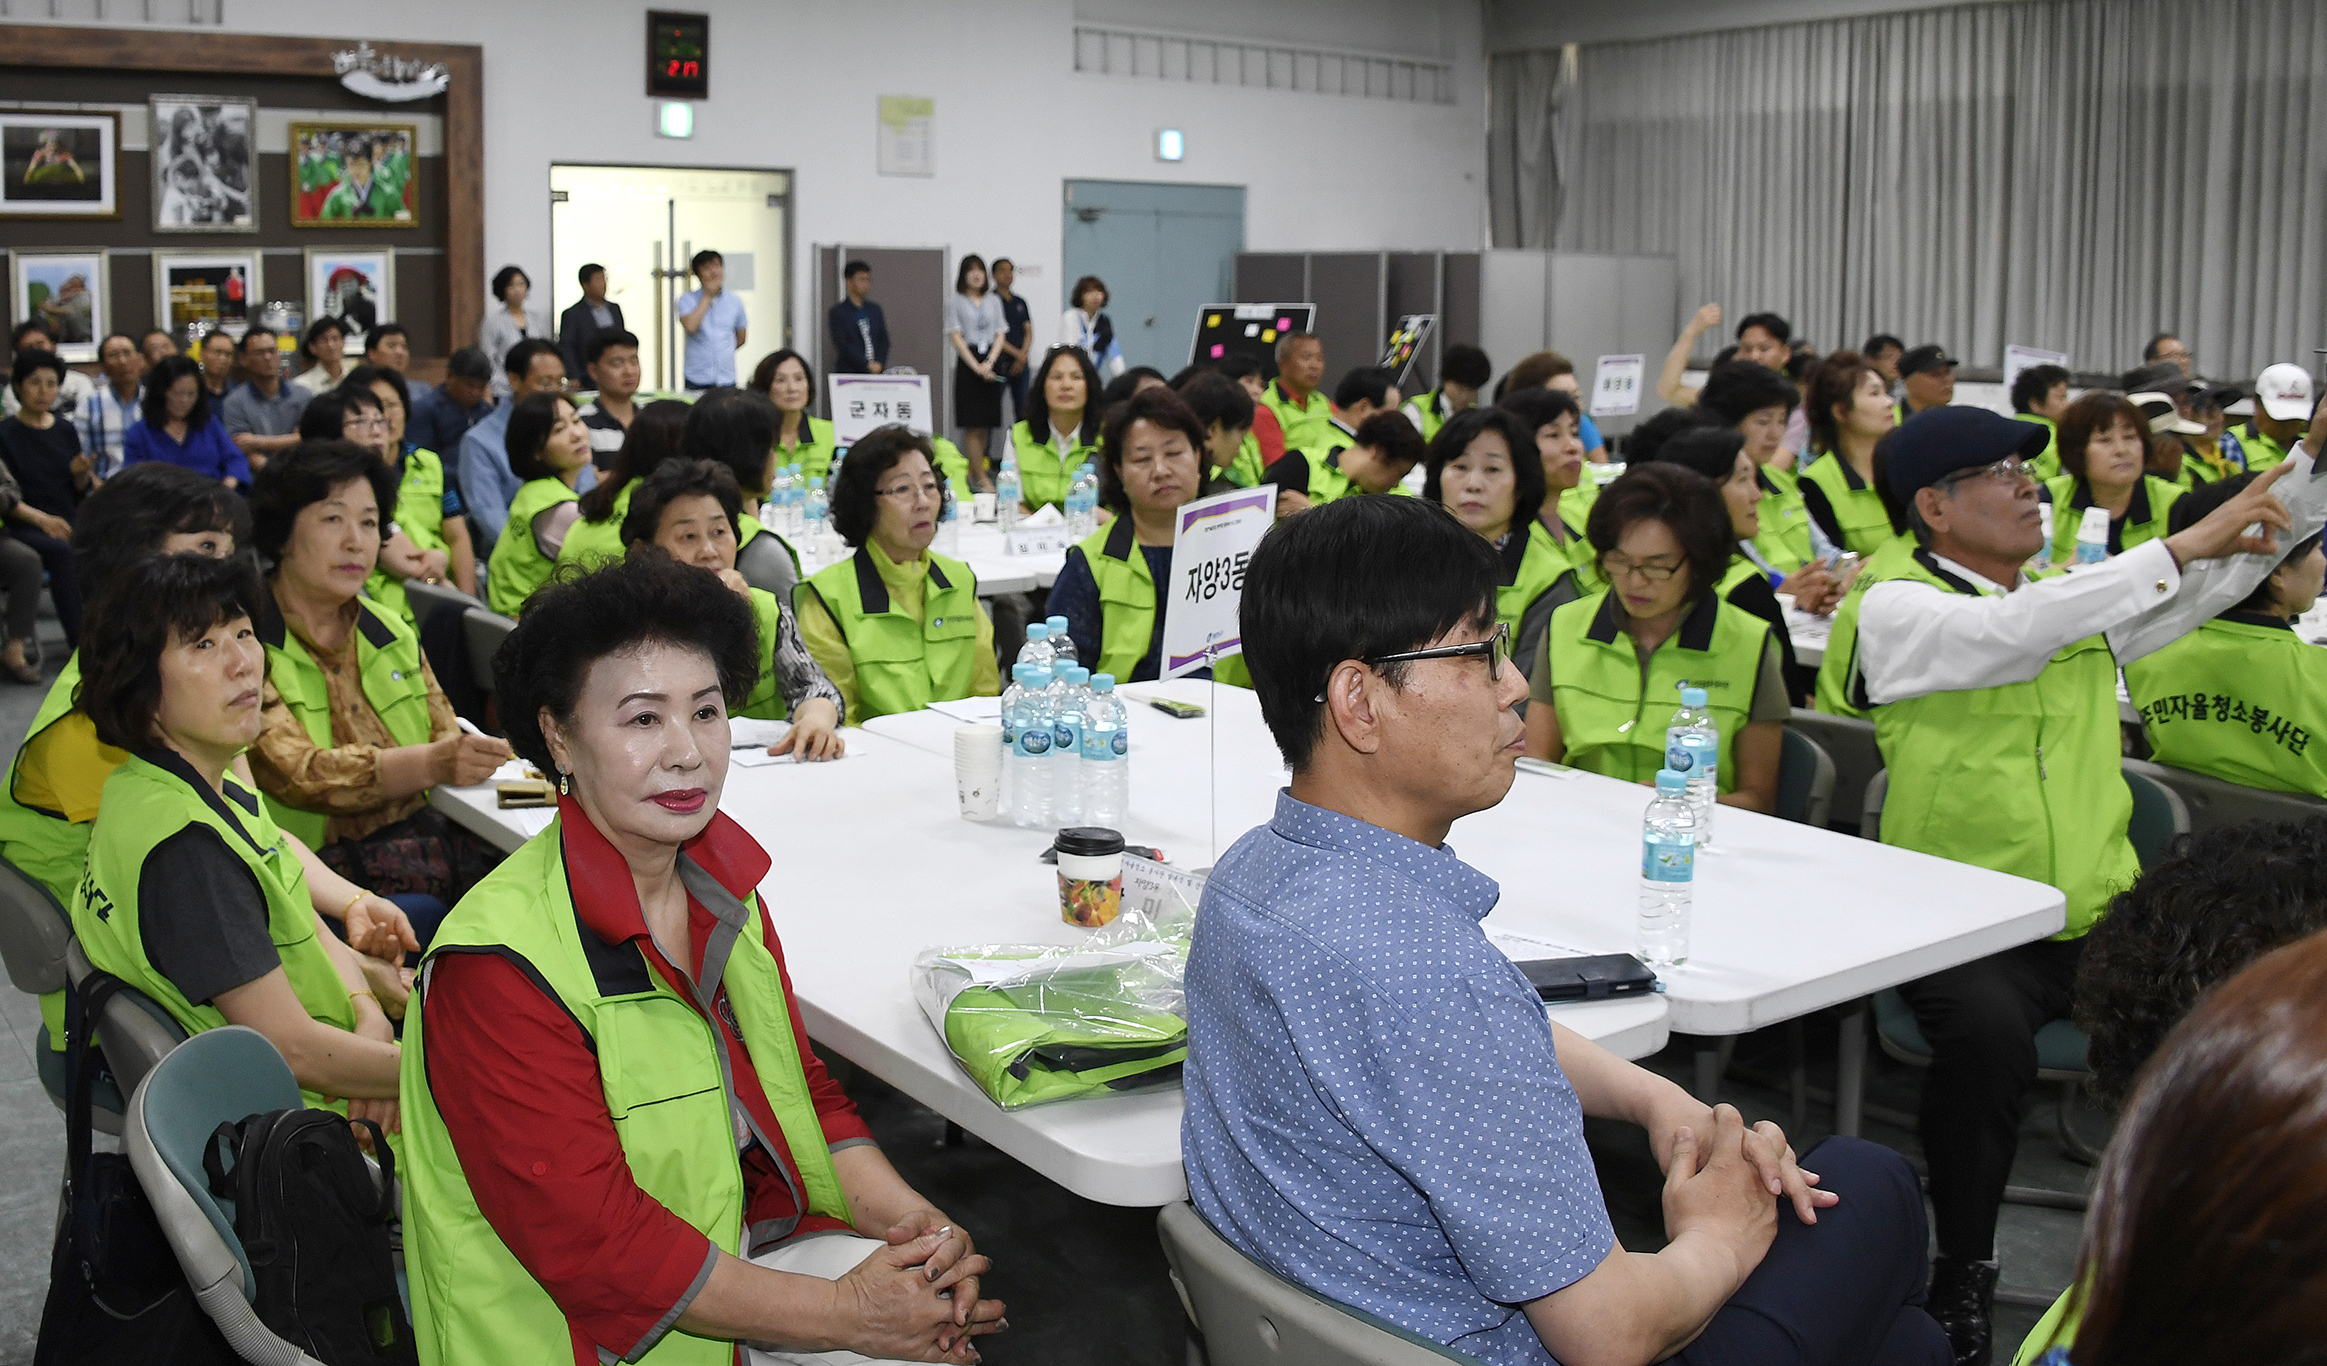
(586, 319)
(860, 335)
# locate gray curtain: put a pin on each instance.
(2069, 174)
(1530, 91)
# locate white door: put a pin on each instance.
(643, 224)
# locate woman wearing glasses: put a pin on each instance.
(1486, 468)
(895, 626)
(1613, 664)
(1722, 456)
(2104, 448)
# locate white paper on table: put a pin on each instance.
(758, 757)
(745, 731)
(975, 711)
(1521, 948)
(513, 771)
(1046, 515)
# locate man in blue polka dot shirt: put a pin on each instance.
(1378, 1107)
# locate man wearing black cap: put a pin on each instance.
(1927, 373)
(1994, 701)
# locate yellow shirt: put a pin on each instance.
(64, 768)
(905, 582)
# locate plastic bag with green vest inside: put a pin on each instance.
(1035, 1023)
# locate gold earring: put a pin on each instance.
(563, 780)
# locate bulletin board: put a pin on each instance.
(1224, 330)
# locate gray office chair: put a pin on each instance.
(2159, 816)
(428, 599)
(2212, 803)
(1250, 1316)
(35, 933)
(1870, 810)
(1850, 743)
(483, 631)
(1805, 780)
(135, 1032)
(222, 1076)
(769, 564)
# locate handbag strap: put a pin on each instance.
(84, 1006)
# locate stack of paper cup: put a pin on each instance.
(977, 771)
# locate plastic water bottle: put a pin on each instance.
(1106, 755)
(1692, 748)
(816, 516)
(1037, 651)
(796, 508)
(2093, 536)
(777, 515)
(1082, 504)
(949, 529)
(1012, 696)
(1029, 763)
(2043, 557)
(1006, 493)
(1062, 644)
(1069, 694)
(1668, 869)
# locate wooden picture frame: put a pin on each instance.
(70, 288)
(204, 150)
(356, 285)
(211, 289)
(322, 192)
(57, 163)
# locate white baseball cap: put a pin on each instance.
(2163, 416)
(2284, 391)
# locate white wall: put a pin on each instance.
(794, 87)
(1519, 25)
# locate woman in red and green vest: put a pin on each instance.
(1613, 664)
(802, 438)
(1850, 411)
(174, 674)
(1486, 468)
(610, 1101)
(549, 447)
(688, 510)
(356, 729)
(895, 626)
(1061, 429)
(2104, 446)
(1113, 589)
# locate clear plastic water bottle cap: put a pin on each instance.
(1692, 697)
(1102, 682)
(1669, 781)
(1018, 673)
(1078, 675)
(1037, 631)
(1057, 625)
(1036, 675)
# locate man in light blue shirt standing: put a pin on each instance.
(1378, 1107)
(714, 321)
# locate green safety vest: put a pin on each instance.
(388, 668)
(591, 543)
(43, 845)
(2199, 467)
(1784, 539)
(1426, 415)
(767, 698)
(1533, 564)
(2239, 698)
(1044, 470)
(151, 797)
(1857, 507)
(518, 565)
(2261, 451)
(1127, 597)
(902, 664)
(1308, 427)
(1327, 482)
(953, 466)
(2144, 518)
(1614, 726)
(420, 516)
(1245, 470)
(814, 453)
(2045, 464)
(667, 1088)
(2022, 778)
(1834, 692)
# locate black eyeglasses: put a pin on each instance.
(1497, 649)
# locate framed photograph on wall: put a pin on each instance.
(356, 285)
(203, 286)
(354, 175)
(55, 164)
(205, 163)
(68, 288)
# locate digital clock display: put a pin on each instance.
(678, 55)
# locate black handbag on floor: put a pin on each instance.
(116, 1293)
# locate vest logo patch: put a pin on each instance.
(93, 896)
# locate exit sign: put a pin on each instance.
(678, 55)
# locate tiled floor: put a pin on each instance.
(1085, 1282)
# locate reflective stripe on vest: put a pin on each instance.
(767, 694)
(589, 543)
(148, 799)
(2242, 698)
(387, 669)
(518, 565)
(420, 516)
(1784, 539)
(2144, 518)
(1857, 507)
(667, 1088)
(903, 664)
(2023, 778)
(1610, 723)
